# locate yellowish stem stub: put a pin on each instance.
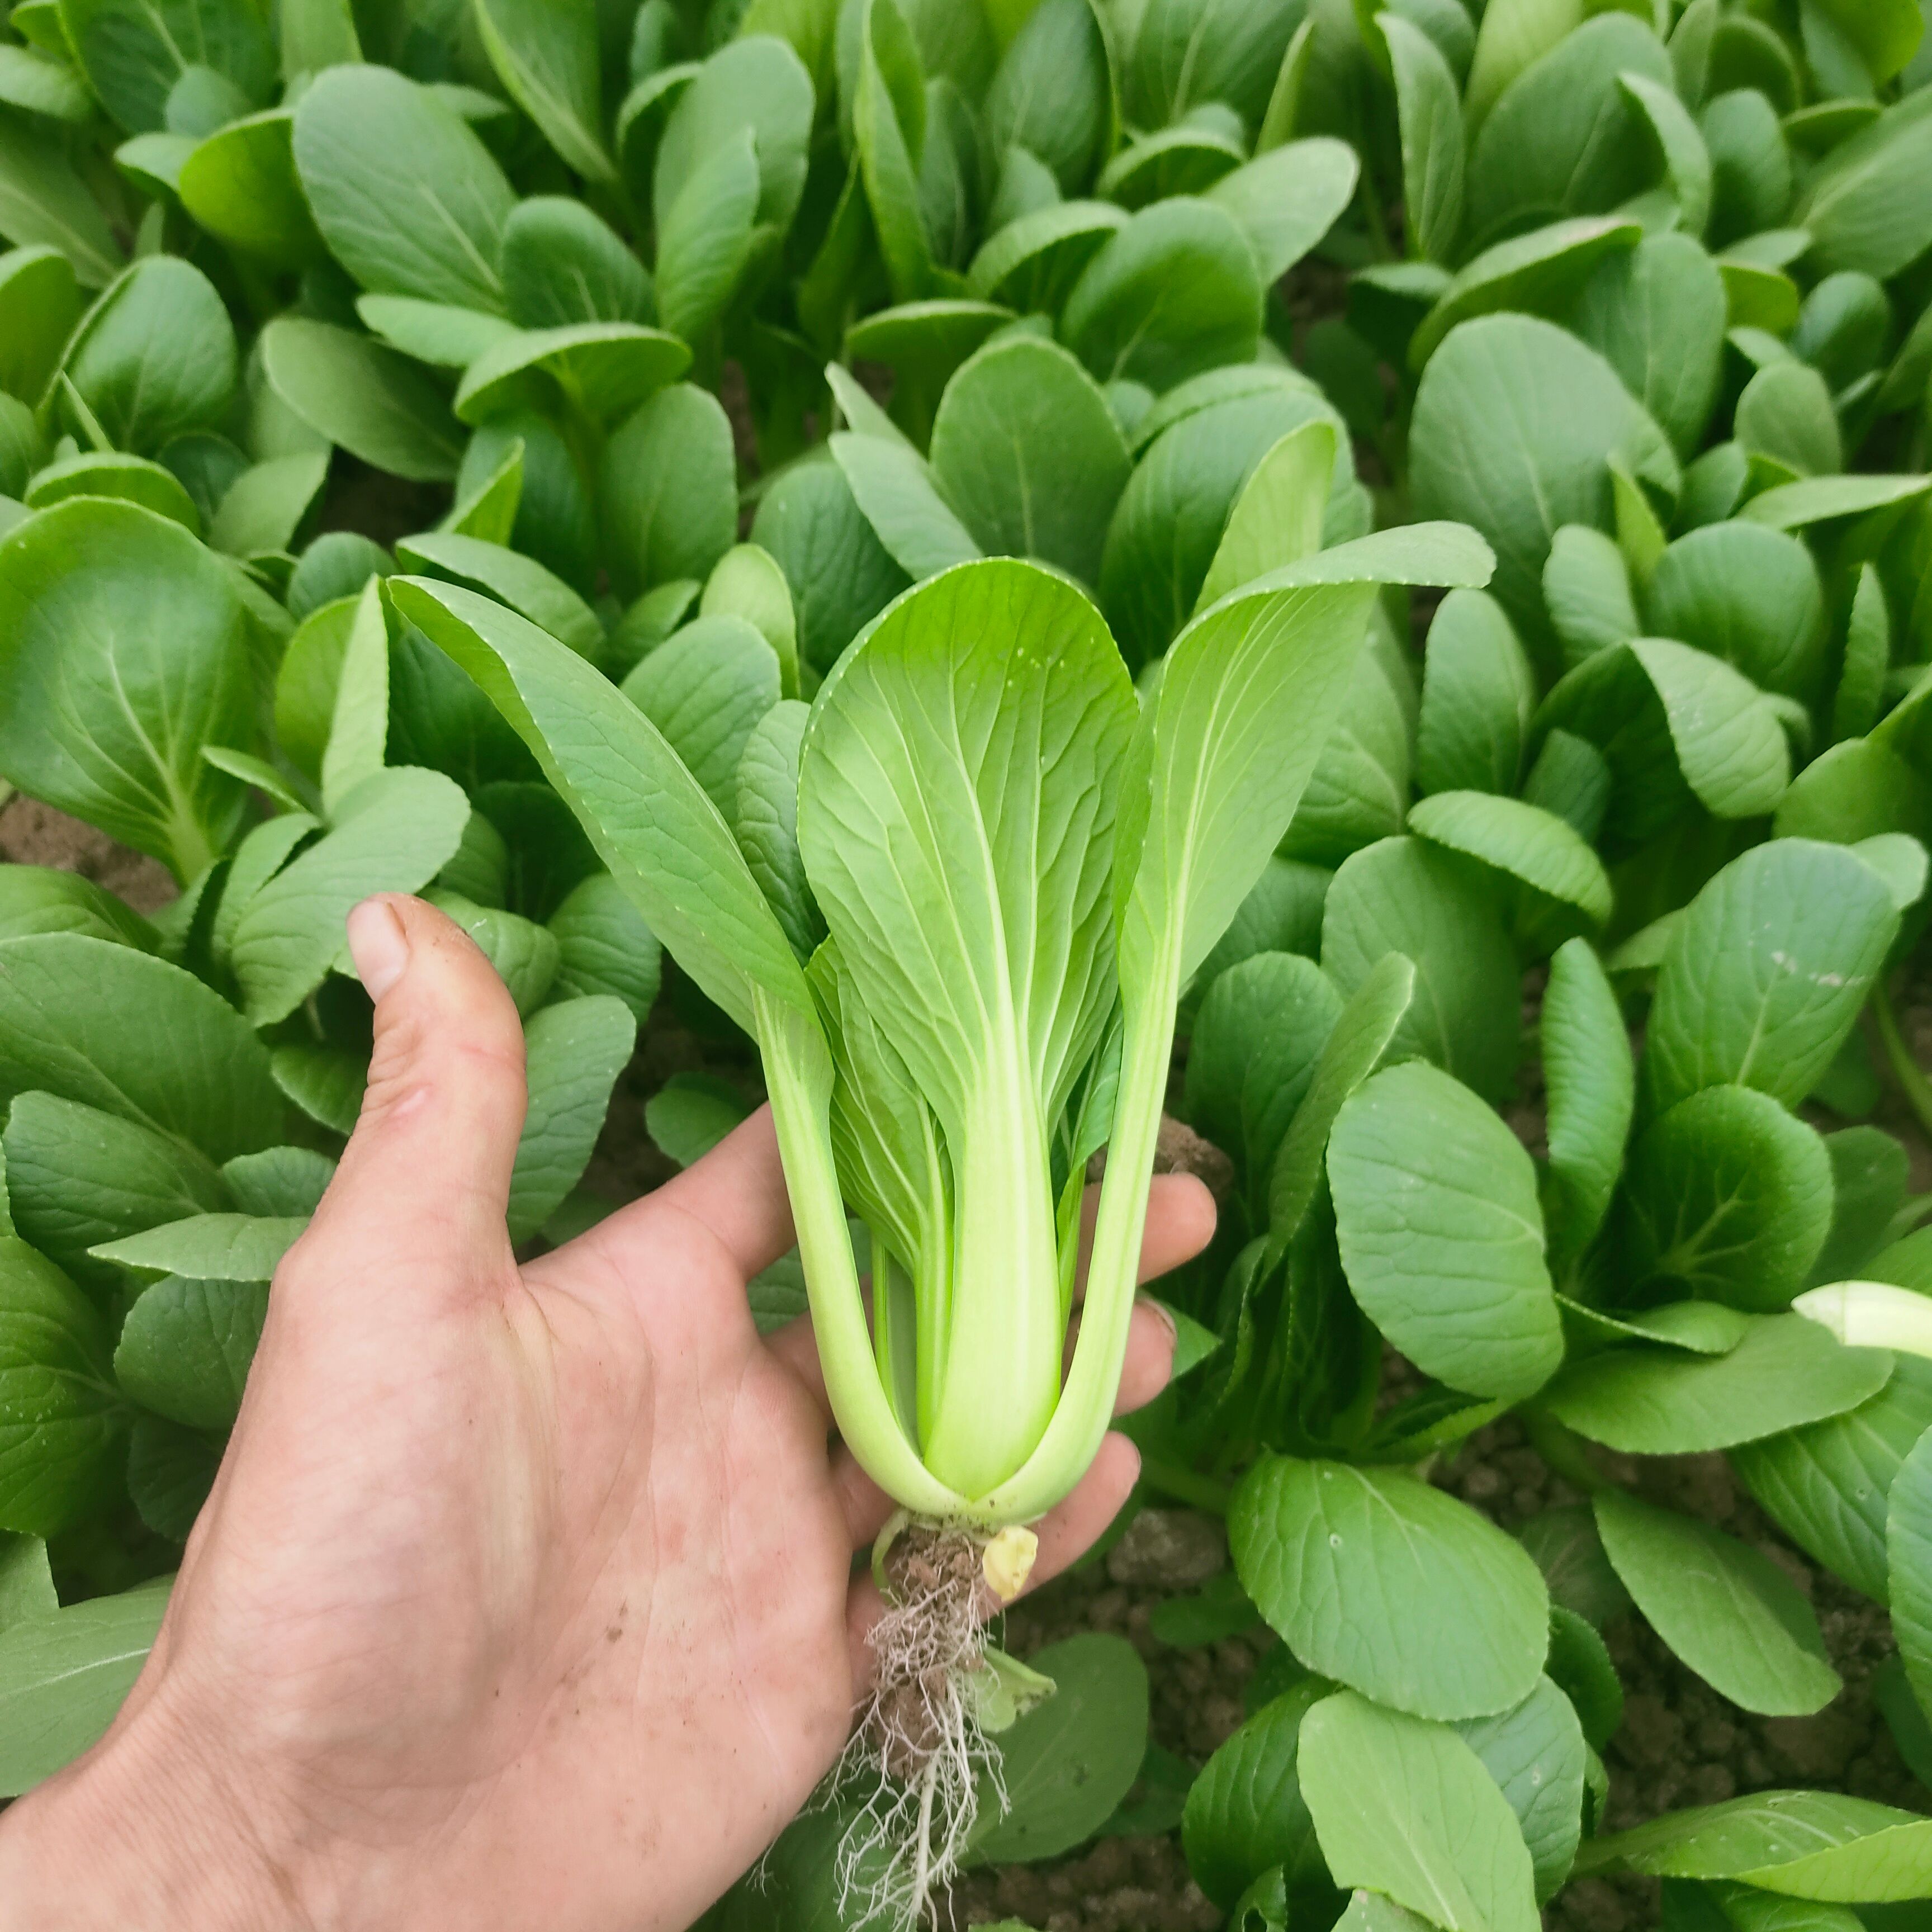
(1007, 1561)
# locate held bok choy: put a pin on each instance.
(1005, 868)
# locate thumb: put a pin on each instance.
(425, 1179)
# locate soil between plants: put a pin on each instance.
(1680, 1743)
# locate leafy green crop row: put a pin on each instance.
(559, 312)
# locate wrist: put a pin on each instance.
(144, 1834)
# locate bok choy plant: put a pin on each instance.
(1016, 868)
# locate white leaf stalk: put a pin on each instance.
(1871, 1315)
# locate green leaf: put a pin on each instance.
(1362, 1035)
(1563, 139)
(1869, 206)
(1730, 1614)
(370, 398)
(393, 832)
(265, 504)
(26, 1582)
(749, 583)
(1068, 1763)
(547, 57)
(1908, 1542)
(1407, 1808)
(1648, 1401)
(1441, 1235)
(519, 581)
(1826, 1485)
(888, 126)
(1280, 518)
(573, 1053)
(186, 1346)
(525, 955)
(1527, 844)
(616, 771)
(155, 356)
(1567, 1549)
(41, 898)
(61, 1418)
(668, 490)
(1429, 115)
(1402, 895)
(1053, 93)
(279, 1180)
(1656, 314)
(438, 333)
(1182, 55)
(1174, 292)
(1802, 1844)
(63, 1677)
(1478, 692)
(241, 185)
(1032, 262)
(1516, 423)
(1026, 449)
(901, 500)
(1287, 198)
(1766, 973)
(44, 203)
(705, 238)
(1536, 1754)
(121, 654)
(1196, 461)
(1257, 1037)
(1675, 724)
(435, 231)
(1245, 1813)
(209, 1247)
(1817, 499)
(170, 1472)
(40, 303)
(601, 370)
(755, 82)
(691, 1113)
(706, 689)
(134, 54)
(325, 1082)
(1730, 1196)
(1580, 1666)
(129, 478)
(604, 947)
(766, 821)
(193, 1070)
(1336, 1557)
(1748, 595)
(76, 1176)
(563, 263)
(1537, 274)
(1590, 1086)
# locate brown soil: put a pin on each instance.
(33, 834)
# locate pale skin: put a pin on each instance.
(526, 1596)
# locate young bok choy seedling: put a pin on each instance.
(1016, 865)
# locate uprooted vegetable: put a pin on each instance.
(1015, 870)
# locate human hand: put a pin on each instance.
(524, 1596)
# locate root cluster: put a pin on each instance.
(919, 1752)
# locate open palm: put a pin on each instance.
(525, 1595)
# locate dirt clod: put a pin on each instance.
(1172, 1550)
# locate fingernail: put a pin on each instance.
(1166, 1315)
(376, 945)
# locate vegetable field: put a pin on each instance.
(1339, 596)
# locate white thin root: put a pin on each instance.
(919, 1752)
